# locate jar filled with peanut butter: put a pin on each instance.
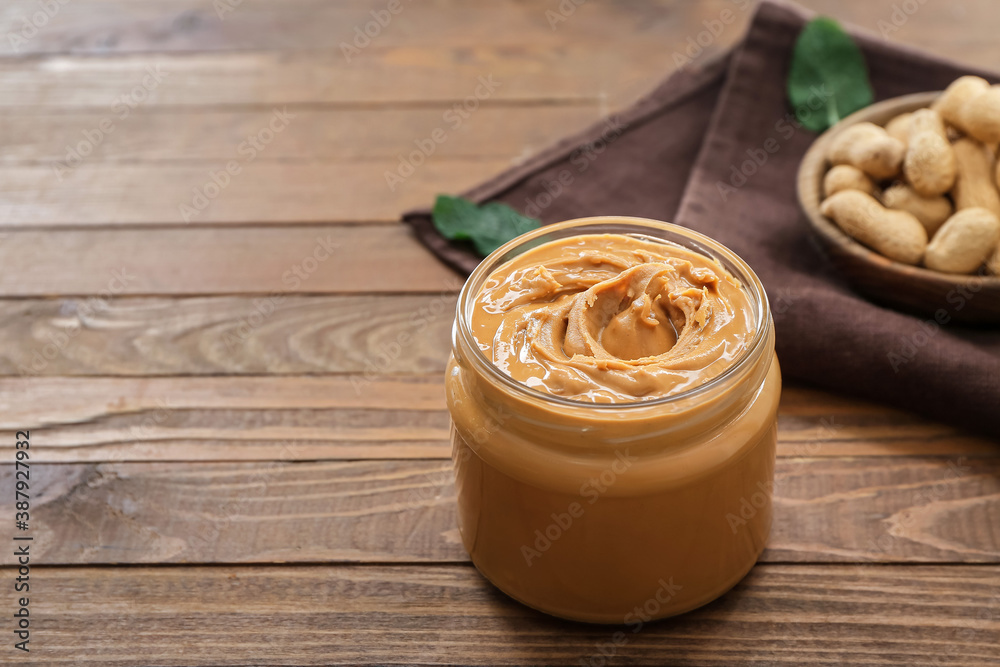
(613, 391)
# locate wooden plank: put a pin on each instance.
(221, 260)
(899, 509)
(330, 135)
(215, 418)
(44, 402)
(419, 74)
(98, 194)
(117, 26)
(813, 422)
(254, 418)
(148, 170)
(227, 335)
(779, 615)
(918, 509)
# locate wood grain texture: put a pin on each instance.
(426, 59)
(429, 54)
(403, 75)
(333, 135)
(779, 615)
(269, 465)
(362, 416)
(101, 194)
(900, 509)
(253, 418)
(813, 422)
(100, 27)
(216, 260)
(240, 335)
(117, 26)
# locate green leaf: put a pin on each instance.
(488, 226)
(828, 79)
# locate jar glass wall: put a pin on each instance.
(614, 512)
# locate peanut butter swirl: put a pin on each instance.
(611, 318)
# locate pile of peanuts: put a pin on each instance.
(924, 188)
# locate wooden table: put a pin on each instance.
(232, 460)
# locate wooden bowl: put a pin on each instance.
(962, 298)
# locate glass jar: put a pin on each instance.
(614, 512)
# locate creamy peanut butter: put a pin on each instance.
(612, 318)
(613, 395)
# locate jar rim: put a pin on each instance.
(697, 242)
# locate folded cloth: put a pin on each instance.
(679, 154)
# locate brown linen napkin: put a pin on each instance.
(675, 155)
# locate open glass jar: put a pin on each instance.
(615, 512)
